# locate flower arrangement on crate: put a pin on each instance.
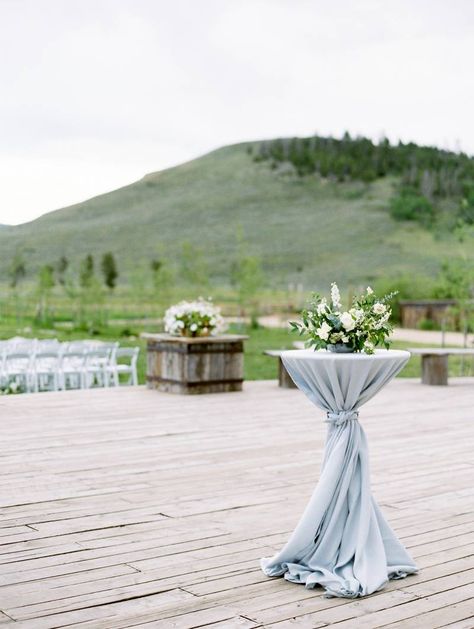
(194, 318)
(360, 329)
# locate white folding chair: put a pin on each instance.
(47, 345)
(72, 370)
(46, 371)
(118, 368)
(97, 362)
(75, 346)
(18, 368)
(22, 346)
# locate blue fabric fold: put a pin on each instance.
(342, 541)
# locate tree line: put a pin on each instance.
(429, 178)
(51, 274)
(87, 284)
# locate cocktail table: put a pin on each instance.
(342, 541)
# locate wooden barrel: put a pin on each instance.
(213, 364)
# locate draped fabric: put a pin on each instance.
(342, 541)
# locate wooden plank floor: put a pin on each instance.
(130, 508)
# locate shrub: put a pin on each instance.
(410, 206)
(427, 324)
(407, 287)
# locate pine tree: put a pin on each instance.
(61, 268)
(109, 270)
(86, 271)
(17, 270)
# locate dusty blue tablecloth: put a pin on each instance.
(342, 541)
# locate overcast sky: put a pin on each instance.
(96, 93)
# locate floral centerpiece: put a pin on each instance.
(194, 318)
(361, 328)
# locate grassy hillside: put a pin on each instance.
(304, 229)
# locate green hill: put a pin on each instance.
(306, 229)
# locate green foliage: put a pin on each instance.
(405, 287)
(427, 324)
(91, 314)
(17, 270)
(61, 269)
(86, 271)
(193, 268)
(361, 328)
(162, 279)
(456, 280)
(432, 171)
(109, 270)
(466, 206)
(45, 286)
(248, 278)
(427, 174)
(46, 278)
(411, 206)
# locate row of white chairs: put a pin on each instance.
(32, 365)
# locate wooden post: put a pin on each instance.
(212, 364)
(284, 378)
(434, 369)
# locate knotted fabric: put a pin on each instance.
(341, 417)
(342, 541)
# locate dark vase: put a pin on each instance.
(341, 348)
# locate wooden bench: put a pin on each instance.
(434, 362)
(284, 378)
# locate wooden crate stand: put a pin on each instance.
(212, 364)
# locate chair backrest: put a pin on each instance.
(46, 345)
(76, 347)
(18, 360)
(47, 359)
(128, 352)
(97, 357)
(25, 346)
(72, 360)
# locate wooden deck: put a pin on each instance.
(132, 508)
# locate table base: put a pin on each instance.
(342, 541)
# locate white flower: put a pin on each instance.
(347, 321)
(345, 339)
(192, 316)
(323, 331)
(357, 313)
(335, 296)
(322, 307)
(368, 347)
(382, 321)
(369, 291)
(379, 308)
